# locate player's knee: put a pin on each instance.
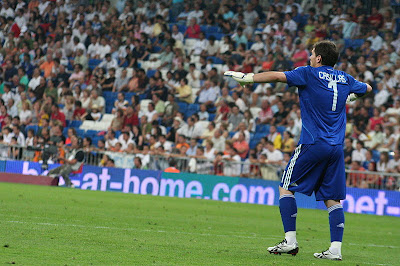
(329, 203)
(283, 191)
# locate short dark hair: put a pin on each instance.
(328, 52)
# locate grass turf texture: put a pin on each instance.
(51, 225)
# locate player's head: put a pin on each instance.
(324, 53)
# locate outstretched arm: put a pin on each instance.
(265, 77)
(354, 96)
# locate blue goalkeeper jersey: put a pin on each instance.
(323, 93)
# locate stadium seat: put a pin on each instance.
(80, 132)
(281, 129)
(91, 133)
(216, 60)
(262, 128)
(182, 107)
(86, 125)
(211, 117)
(213, 29)
(75, 123)
(259, 135)
(253, 143)
(34, 127)
(107, 117)
(157, 49)
(150, 73)
(218, 36)
(181, 28)
(376, 155)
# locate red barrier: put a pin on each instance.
(28, 179)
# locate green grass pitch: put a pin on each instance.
(59, 226)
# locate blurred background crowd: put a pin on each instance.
(146, 78)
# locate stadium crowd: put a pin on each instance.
(158, 66)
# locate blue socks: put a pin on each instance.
(288, 209)
(336, 222)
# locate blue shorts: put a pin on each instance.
(316, 168)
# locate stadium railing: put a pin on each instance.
(195, 165)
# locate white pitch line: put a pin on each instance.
(184, 233)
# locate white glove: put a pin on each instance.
(240, 77)
(351, 98)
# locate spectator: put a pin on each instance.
(235, 117)
(121, 82)
(97, 100)
(184, 91)
(359, 154)
(275, 137)
(241, 145)
(356, 179)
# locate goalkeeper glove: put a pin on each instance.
(352, 97)
(240, 77)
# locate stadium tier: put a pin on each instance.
(144, 79)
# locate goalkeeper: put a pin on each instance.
(317, 164)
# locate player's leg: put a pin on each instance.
(301, 175)
(332, 190)
(288, 210)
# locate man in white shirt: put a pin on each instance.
(382, 96)
(395, 110)
(218, 140)
(151, 112)
(187, 130)
(6, 11)
(393, 164)
(110, 139)
(359, 154)
(196, 13)
(289, 23)
(19, 135)
(12, 108)
(108, 62)
(94, 46)
(8, 94)
(95, 99)
(207, 94)
(103, 49)
(339, 19)
(80, 33)
(232, 164)
(42, 6)
(20, 19)
(239, 102)
(166, 144)
(140, 9)
(274, 159)
(200, 45)
(376, 40)
(125, 140)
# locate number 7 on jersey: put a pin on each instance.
(333, 85)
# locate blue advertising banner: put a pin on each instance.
(233, 189)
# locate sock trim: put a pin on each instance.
(334, 207)
(286, 196)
